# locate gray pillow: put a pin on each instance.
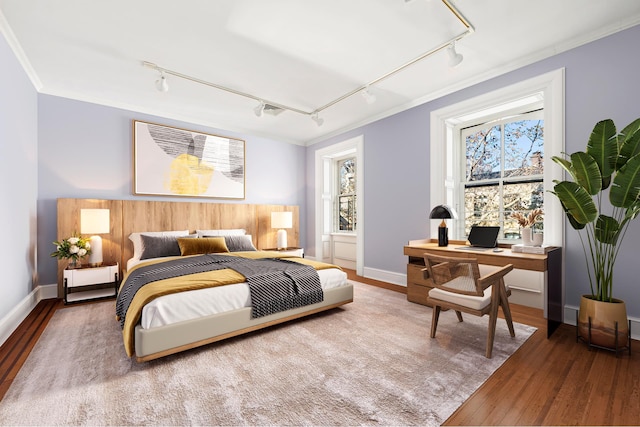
(239, 243)
(159, 246)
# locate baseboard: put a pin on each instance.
(571, 312)
(381, 275)
(10, 322)
(385, 276)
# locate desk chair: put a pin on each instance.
(458, 286)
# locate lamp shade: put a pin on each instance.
(443, 212)
(94, 221)
(281, 219)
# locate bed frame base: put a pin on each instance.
(166, 340)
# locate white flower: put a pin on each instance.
(82, 252)
(87, 246)
(73, 249)
(73, 240)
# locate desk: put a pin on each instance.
(546, 268)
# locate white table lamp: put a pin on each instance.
(94, 221)
(282, 220)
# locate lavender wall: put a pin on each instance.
(85, 151)
(601, 82)
(18, 181)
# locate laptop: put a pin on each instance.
(482, 238)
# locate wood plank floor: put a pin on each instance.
(552, 381)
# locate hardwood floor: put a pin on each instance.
(552, 381)
(17, 347)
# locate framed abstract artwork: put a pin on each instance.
(169, 161)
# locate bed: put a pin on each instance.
(204, 307)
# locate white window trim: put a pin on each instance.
(324, 182)
(441, 154)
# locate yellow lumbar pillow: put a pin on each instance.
(205, 245)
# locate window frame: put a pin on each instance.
(443, 121)
(527, 111)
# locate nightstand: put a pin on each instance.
(90, 283)
(299, 252)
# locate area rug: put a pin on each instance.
(369, 362)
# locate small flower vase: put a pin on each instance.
(74, 263)
(537, 239)
(527, 236)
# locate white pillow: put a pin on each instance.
(137, 240)
(218, 233)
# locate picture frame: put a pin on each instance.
(170, 161)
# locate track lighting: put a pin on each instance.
(161, 84)
(270, 107)
(454, 58)
(368, 96)
(259, 109)
(319, 120)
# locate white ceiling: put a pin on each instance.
(303, 54)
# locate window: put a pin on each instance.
(346, 195)
(500, 183)
(502, 171)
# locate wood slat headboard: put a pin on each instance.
(130, 216)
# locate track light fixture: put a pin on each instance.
(368, 96)
(274, 108)
(454, 57)
(319, 120)
(259, 109)
(161, 84)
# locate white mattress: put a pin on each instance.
(181, 306)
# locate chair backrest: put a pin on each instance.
(453, 274)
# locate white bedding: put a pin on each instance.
(174, 308)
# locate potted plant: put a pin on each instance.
(606, 178)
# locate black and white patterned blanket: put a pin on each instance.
(275, 284)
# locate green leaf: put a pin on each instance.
(576, 201)
(603, 147)
(607, 229)
(566, 165)
(626, 184)
(632, 211)
(587, 173)
(629, 142)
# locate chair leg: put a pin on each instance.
(504, 303)
(434, 320)
(459, 314)
(493, 317)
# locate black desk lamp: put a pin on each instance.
(443, 212)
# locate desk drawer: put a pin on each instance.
(417, 286)
(416, 275)
(523, 280)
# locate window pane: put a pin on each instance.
(482, 206)
(346, 197)
(483, 153)
(347, 173)
(523, 148)
(523, 198)
(347, 213)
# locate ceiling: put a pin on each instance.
(300, 54)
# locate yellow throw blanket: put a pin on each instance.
(190, 282)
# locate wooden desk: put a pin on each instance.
(549, 267)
